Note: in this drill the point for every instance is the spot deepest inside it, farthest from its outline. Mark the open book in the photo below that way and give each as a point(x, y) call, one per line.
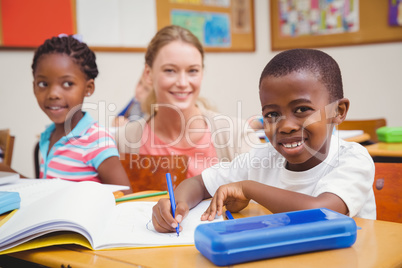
point(89, 209)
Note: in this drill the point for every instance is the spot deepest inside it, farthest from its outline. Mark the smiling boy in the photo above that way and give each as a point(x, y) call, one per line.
point(303, 166)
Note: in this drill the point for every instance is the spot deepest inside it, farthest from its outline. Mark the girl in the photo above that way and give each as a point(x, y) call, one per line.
point(74, 147)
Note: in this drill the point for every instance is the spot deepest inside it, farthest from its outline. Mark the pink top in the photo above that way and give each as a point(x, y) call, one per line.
point(201, 156)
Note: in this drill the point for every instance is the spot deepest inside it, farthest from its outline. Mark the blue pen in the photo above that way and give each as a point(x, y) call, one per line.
point(171, 196)
point(229, 215)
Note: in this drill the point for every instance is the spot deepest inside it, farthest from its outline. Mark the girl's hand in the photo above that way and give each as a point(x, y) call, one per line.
point(230, 195)
point(162, 217)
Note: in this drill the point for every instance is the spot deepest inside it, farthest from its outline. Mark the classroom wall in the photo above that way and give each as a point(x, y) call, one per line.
point(371, 74)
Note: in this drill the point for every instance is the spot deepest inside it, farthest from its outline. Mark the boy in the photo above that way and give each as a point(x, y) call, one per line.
point(303, 166)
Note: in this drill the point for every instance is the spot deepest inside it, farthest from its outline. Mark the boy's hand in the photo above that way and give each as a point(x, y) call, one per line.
point(162, 217)
point(230, 195)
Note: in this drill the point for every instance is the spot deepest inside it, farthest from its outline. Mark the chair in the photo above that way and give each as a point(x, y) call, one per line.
point(37, 160)
point(387, 190)
point(7, 145)
point(368, 126)
point(148, 172)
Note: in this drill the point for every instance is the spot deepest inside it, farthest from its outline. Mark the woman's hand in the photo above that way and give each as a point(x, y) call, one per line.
point(230, 195)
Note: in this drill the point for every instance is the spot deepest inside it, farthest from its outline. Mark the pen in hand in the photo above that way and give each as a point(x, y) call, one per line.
point(172, 200)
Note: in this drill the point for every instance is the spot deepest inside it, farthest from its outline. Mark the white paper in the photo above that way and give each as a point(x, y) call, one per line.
point(31, 190)
point(8, 177)
point(117, 23)
point(132, 226)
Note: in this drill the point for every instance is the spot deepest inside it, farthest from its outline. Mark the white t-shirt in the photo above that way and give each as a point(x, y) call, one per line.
point(348, 172)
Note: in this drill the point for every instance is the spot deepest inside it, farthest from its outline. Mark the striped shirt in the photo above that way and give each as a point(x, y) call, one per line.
point(77, 156)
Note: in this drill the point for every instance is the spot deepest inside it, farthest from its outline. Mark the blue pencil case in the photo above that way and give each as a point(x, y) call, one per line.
point(9, 201)
point(254, 238)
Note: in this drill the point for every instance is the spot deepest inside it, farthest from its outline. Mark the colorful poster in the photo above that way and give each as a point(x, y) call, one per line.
point(318, 17)
point(212, 29)
point(395, 13)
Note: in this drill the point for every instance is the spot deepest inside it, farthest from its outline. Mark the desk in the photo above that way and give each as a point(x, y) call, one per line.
point(385, 149)
point(378, 244)
point(359, 138)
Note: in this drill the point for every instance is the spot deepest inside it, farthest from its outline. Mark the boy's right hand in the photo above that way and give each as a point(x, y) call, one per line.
point(162, 217)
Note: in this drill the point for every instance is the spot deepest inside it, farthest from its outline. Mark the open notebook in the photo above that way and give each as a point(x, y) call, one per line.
point(88, 210)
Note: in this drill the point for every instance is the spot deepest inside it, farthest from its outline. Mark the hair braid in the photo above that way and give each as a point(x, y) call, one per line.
point(73, 48)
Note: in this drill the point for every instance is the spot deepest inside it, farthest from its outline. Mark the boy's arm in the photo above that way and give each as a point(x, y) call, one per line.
point(111, 171)
point(279, 200)
point(235, 196)
point(188, 194)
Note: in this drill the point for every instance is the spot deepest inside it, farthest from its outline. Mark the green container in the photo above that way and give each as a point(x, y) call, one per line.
point(390, 134)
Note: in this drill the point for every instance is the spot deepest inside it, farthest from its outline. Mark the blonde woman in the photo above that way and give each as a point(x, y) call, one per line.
point(180, 122)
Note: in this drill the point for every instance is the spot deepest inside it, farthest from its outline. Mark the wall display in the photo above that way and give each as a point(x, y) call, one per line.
point(127, 25)
point(325, 23)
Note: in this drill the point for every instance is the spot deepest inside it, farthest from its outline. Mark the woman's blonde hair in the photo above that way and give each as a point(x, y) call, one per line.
point(162, 38)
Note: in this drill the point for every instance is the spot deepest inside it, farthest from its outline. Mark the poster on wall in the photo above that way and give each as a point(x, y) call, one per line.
point(318, 17)
point(395, 13)
point(213, 29)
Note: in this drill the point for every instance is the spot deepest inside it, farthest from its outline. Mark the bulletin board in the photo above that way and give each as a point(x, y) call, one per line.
point(120, 25)
point(373, 28)
point(220, 25)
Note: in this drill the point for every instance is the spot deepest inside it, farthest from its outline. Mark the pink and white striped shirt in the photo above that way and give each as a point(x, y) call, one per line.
point(77, 156)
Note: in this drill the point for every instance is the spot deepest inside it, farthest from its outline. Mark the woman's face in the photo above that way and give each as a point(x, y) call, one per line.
point(176, 75)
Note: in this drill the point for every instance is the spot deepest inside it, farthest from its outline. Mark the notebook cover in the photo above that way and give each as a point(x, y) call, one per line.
point(248, 239)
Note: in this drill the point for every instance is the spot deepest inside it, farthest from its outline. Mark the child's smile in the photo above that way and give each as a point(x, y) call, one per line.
point(294, 108)
point(60, 87)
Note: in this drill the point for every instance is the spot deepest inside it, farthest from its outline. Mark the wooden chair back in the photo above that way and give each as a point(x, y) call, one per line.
point(7, 145)
point(37, 160)
point(148, 172)
point(388, 191)
point(368, 126)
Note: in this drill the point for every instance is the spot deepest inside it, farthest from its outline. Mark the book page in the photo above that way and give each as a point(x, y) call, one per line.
point(8, 177)
point(82, 207)
point(132, 227)
point(31, 190)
